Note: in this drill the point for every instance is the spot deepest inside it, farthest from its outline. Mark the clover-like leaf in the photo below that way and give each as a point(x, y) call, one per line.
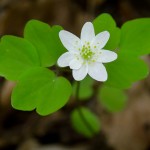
point(46, 40)
point(40, 89)
point(85, 122)
point(129, 68)
point(135, 37)
point(16, 56)
point(126, 70)
point(105, 22)
point(112, 99)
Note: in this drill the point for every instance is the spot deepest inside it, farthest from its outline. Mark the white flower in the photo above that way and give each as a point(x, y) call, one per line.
point(86, 55)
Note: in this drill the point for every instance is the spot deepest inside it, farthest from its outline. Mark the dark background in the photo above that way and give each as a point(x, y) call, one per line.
point(126, 130)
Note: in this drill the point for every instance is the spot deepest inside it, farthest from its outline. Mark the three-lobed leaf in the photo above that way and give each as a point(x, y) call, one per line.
point(134, 42)
point(40, 89)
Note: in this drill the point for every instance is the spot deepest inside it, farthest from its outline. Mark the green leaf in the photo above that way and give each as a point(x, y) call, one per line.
point(105, 22)
point(112, 99)
point(86, 89)
point(82, 125)
point(126, 70)
point(135, 37)
point(40, 89)
point(46, 40)
point(16, 56)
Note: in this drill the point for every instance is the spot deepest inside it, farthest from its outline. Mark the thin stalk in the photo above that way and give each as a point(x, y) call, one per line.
point(89, 127)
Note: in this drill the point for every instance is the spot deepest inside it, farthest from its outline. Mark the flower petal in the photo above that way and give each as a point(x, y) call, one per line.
point(101, 39)
point(87, 33)
point(75, 64)
point(65, 59)
point(80, 74)
point(106, 56)
point(98, 71)
point(70, 41)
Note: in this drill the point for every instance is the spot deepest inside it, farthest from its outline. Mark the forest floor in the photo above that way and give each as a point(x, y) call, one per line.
point(29, 131)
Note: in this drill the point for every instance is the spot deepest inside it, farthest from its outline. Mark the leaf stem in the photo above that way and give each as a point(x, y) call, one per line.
point(89, 127)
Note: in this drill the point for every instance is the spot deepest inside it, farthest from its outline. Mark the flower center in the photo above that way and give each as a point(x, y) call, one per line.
point(86, 52)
